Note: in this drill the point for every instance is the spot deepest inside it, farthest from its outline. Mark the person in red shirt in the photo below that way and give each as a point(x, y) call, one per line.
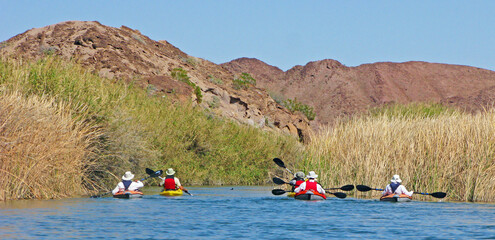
point(170, 182)
point(311, 183)
point(297, 180)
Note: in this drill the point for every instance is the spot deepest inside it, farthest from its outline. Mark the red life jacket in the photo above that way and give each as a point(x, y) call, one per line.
point(298, 183)
point(312, 185)
point(169, 183)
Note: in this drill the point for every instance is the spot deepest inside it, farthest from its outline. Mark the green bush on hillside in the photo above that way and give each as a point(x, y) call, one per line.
point(243, 82)
point(181, 75)
point(296, 106)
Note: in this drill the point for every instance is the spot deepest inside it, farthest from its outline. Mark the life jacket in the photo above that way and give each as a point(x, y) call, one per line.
point(169, 182)
point(394, 186)
point(312, 185)
point(126, 183)
point(299, 181)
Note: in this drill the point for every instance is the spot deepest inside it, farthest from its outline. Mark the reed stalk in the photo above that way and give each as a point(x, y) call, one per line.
point(44, 152)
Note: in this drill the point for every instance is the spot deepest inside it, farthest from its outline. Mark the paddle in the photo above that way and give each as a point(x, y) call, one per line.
point(435, 194)
point(281, 191)
point(343, 188)
point(150, 172)
point(185, 190)
point(280, 163)
point(364, 188)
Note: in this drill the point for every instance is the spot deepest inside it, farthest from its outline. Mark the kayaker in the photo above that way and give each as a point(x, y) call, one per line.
point(128, 184)
point(170, 182)
point(395, 187)
point(311, 183)
point(297, 180)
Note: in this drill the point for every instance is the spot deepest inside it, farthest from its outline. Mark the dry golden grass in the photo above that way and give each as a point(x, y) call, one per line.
point(450, 152)
point(44, 153)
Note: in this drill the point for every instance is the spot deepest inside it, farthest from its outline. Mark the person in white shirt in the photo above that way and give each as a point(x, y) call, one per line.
point(128, 184)
point(311, 183)
point(395, 187)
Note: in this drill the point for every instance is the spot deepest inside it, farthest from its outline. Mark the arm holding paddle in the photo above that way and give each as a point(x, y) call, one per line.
point(364, 188)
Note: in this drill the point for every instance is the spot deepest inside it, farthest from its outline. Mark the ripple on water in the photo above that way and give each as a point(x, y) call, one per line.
point(243, 213)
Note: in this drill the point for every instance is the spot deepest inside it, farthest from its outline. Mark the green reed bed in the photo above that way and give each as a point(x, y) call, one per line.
point(138, 131)
point(435, 149)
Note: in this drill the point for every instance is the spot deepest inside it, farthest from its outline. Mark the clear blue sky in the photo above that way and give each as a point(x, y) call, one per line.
point(288, 33)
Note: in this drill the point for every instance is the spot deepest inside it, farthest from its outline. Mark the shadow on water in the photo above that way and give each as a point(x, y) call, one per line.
point(243, 212)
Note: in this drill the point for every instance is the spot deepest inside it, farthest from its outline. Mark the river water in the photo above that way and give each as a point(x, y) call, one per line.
point(242, 213)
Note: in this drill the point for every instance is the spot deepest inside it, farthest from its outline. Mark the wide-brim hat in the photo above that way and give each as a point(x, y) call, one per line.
point(396, 179)
point(128, 176)
point(312, 174)
point(170, 171)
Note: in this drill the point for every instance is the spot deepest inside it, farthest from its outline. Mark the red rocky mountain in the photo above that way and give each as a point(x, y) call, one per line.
point(334, 89)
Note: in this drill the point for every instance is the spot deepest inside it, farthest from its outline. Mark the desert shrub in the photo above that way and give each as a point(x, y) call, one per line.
point(214, 103)
point(181, 75)
point(277, 97)
point(243, 82)
point(214, 80)
point(296, 106)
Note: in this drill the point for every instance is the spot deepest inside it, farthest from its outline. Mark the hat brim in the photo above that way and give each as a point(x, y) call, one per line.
point(129, 178)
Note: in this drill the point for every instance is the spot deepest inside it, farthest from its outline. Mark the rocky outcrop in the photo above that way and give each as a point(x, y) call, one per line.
point(125, 53)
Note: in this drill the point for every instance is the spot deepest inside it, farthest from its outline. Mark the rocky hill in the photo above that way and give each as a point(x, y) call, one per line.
point(334, 89)
point(124, 53)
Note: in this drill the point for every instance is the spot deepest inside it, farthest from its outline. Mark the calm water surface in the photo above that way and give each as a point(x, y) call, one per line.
point(243, 213)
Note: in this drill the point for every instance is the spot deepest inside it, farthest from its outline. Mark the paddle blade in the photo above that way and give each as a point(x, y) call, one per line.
point(157, 173)
point(278, 191)
point(438, 194)
point(363, 188)
point(279, 162)
point(340, 195)
point(278, 181)
point(149, 171)
point(347, 188)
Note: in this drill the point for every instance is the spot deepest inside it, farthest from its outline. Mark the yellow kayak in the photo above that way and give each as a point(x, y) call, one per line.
point(291, 194)
point(177, 192)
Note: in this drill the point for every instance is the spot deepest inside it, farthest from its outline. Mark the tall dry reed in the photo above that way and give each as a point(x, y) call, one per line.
point(451, 152)
point(44, 152)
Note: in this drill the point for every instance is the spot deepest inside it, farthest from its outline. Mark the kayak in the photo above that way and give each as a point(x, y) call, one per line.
point(177, 192)
point(396, 198)
point(128, 194)
point(291, 194)
point(309, 195)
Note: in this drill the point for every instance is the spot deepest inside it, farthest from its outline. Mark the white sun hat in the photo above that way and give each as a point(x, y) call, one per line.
point(170, 171)
point(312, 174)
point(128, 176)
point(396, 179)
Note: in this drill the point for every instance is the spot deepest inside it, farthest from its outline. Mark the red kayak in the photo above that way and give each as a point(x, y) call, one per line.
point(128, 194)
point(310, 195)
